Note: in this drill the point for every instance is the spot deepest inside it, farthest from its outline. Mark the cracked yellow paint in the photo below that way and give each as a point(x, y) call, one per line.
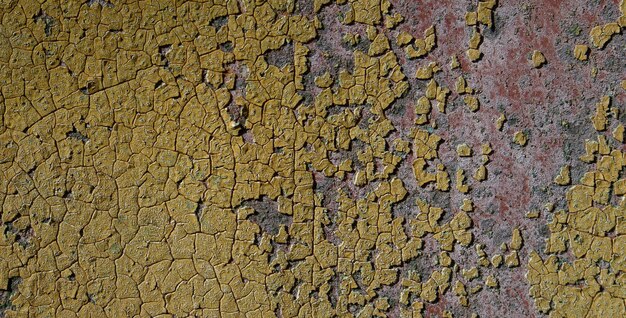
point(471, 18)
point(601, 34)
point(167, 166)
point(467, 205)
point(473, 53)
point(496, 260)
point(590, 229)
point(404, 38)
point(485, 12)
point(352, 39)
point(422, 46)
point(422, 109)
point(426, 72)
point(599, 119)
point(379, 45)
point(461, 85)
point(442, 179)
point(491, 282)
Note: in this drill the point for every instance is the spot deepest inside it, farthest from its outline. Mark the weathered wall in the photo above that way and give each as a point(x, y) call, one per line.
point(230, 158)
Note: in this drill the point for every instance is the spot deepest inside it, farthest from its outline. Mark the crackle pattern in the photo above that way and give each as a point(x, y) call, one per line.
point(318, 158)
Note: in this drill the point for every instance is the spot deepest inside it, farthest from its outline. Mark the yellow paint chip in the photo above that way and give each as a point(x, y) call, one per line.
point(474, 54)
point(512, 259)
point(500, 121)
point(600, 119)
point(471, 18)
point(601, 34)
point(516, 239)
point(481, 173)
point(379, 45)
point(581, 52)
point(538, 59)
point(470, 274)
point(426, 72)
point(618, 133)
point(475, 40)
point(454, 62)
point(460, 181)
point(533, 214)
point(496, 260)
point(404, 38)
point(467, 205)
point(491, 282)
point(563, 178)
point(472, 102)
point(444, 259)
point(463, 150)
point(520, 138)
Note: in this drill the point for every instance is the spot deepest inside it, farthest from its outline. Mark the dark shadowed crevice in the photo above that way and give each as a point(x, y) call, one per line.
point(199, 210)
point(280, 57)
point(75, 134)
point(6, 295)
point(102, 3)
point(47, 20)
point(21, 236)
point(163, 51)
point(219, 22)
point(266, 215)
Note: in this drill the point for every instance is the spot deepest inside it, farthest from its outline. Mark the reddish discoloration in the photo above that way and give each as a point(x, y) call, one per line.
point(534, 100)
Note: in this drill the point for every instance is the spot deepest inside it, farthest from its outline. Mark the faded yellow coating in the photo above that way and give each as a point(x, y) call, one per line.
point(141, 161)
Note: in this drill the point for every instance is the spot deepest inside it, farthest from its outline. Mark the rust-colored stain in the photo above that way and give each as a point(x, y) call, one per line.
point(312, 158)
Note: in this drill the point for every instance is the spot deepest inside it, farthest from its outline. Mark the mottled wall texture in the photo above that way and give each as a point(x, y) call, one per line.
point(312, 158)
